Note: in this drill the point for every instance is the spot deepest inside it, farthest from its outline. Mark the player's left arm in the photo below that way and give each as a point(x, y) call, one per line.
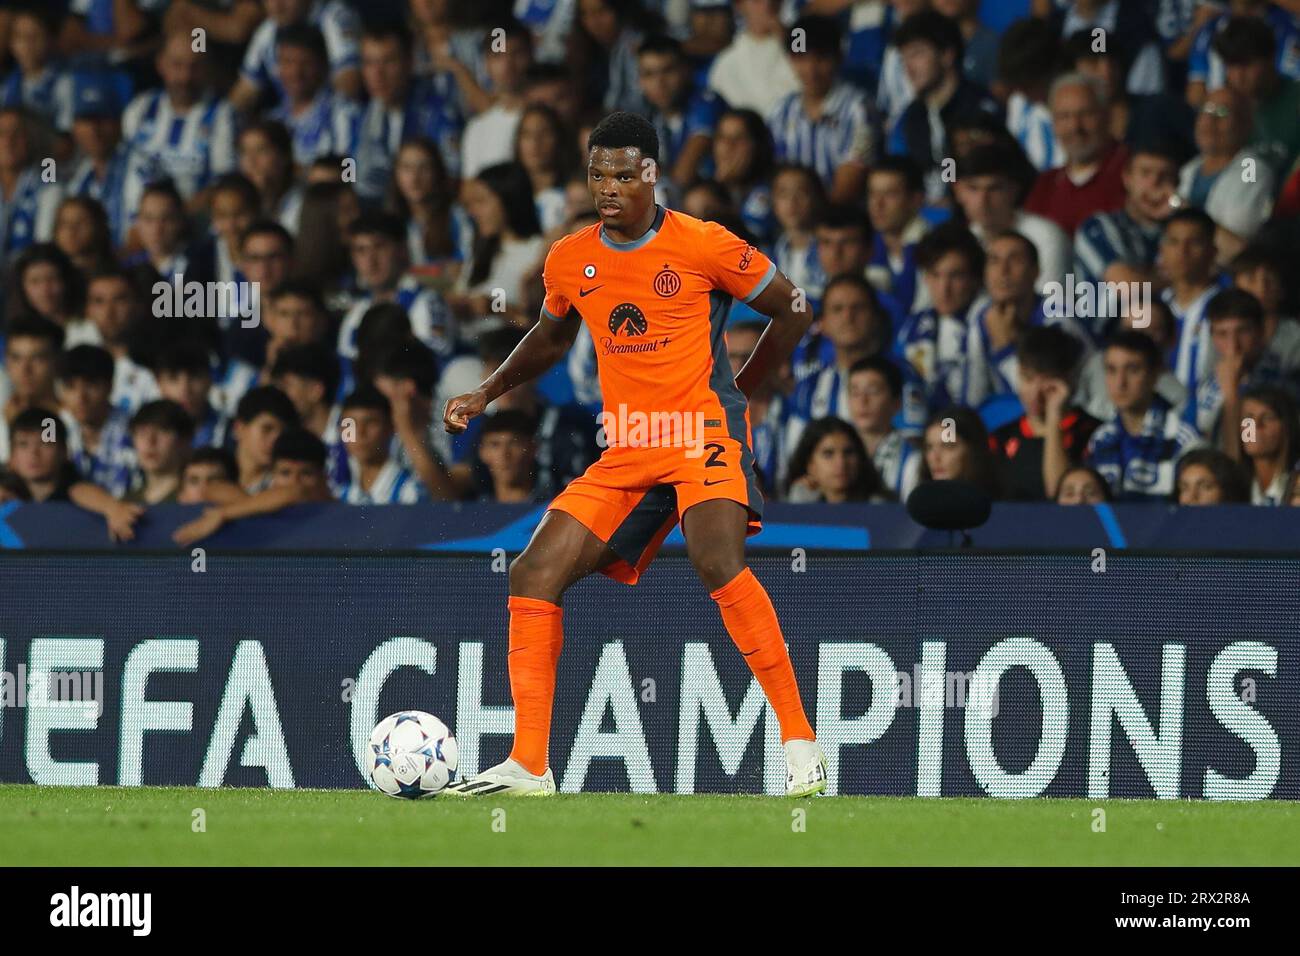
point(791, 315)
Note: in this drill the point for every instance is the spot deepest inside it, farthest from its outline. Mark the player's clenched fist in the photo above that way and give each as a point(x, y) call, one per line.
point(459, 410)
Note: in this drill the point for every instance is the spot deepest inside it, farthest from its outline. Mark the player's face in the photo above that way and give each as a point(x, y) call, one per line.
point(951, 283)
point(301, 72)
point(43, 287)
point(871, 405)
point(1129, 382)
point(1198, 486)
point(1270, 434)
point(622, 185)
point(85, 400)
point(945, 459)
point(109, 307)
point(1080, 488)
point(187, 389)
point(1009, 272)
point(29, 363)
point(834, 465)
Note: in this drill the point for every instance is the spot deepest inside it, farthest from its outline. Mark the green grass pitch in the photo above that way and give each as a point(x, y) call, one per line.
point(117, 826)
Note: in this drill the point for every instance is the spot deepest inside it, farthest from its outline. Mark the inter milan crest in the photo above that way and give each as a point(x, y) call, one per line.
point(628, 320)
point(667, 283)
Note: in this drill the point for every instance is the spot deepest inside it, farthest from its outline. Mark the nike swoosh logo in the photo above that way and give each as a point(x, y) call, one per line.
point(716, 481)
point(583, 293)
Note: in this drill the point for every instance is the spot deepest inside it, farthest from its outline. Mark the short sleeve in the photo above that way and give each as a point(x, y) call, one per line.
point(556, 305)
point(732, 264)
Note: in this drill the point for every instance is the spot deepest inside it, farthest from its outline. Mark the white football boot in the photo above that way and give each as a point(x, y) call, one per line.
point(506, 779)
point(805, 768)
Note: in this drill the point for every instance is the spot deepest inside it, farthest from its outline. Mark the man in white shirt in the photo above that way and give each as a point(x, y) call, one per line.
point(489, 138)
point(754, 71)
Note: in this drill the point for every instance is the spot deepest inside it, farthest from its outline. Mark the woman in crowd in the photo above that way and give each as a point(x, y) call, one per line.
point(81, 231)
point(1081, 485)
point(830, 464)
point(1275, 447)
point(798, 199)
point(743, 160)
point(266, 158)
point(956, 447)
point(1206, 476)
point(46, 284)
point(320, 256)
point(541, 148)
point(421, 193)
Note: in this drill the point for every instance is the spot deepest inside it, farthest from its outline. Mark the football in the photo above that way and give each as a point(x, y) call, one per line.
point(412, 754)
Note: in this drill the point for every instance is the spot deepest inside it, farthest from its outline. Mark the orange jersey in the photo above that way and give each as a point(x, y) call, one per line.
point(656, 308)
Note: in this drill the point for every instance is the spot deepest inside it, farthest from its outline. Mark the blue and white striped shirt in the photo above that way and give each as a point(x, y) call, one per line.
point(28, 215)
point(1110, 237)
point(394, 485)
point(1031, 124)
point(429, 111)
point(190, 148)
point(431, 321)
point(986, 371)
point(328, 125)
point(841, 135)
point(1142, 466)
point(338, 24)
point(118, 192)
point(111, 463)
point(49, 94)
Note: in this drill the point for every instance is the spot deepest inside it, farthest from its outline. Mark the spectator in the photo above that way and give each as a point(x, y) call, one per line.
point(29, 202)
point(980, 44)
point(1262, 272)
point(875, 402)
point(108, 170)
point(1082, 485)
point(1231, 182)
point(1158, 323)
point(895, 195)
point(495, 283)
point(47, 285)
point(798, 200)
point(830, 465)
point(754, 71)
point(1186, 262)
point(1131, 233)
point(262, 70)
point(206, 468)
point(321, 255)
point(181, 132)
point(956, 448)
point(162, 227)
point(1128, 28)
point(266, 158)
point(266, 255)
point(685, 115)
point(184, 373)
point(31, 357)
point(162, 434)
point(309, 376)
point(38, 82)
point(374, 476)
point(1268, 442)
point(39, 455)
point(825, 125)
point(507, 452)
point(931, 46)
point(541, 149)
point(990, 197)
point(1038, 449)
point(843, 237)
point(378, 246)
point(1091, 178)
point(603, 45)
point(113, 322)
point(263, 414)
point(235, 204)
point(82, 233)
point(406, 374)
point(99, 435)
point(1138, 450)
point(1241, 361)
point(767, 412)
point(1008, 310)
point(320, 121)
point(490, 135)
point(743, 160)
point(1029, 58)
point(421, 194)
point(1205, 67)
point(1206, 476)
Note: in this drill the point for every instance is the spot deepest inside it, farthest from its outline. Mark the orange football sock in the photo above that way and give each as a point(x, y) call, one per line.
point(536, 636)
point(751, 621)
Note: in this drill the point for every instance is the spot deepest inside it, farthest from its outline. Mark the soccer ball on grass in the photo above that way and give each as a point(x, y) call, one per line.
point(412, 754)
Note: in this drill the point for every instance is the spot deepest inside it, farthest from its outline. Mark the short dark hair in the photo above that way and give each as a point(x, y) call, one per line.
point(89, 363)
point(304, 36)
point(167, 415)
point(266, 227)
point(241, 184)
point(37, 327)
point(497, 344)
point(165, 188)
point(990, 159)
point(904, 166)
point(301, 289)
point(33, 420)
point(1159, 148)
point(221, 457)
point(1235, 303)
point(410, 360)
point(1029, 53)
point(883, 367)
point(1260, 256)
point(368, 397)
point(383, 324)
point(1031, 250)
point(661, 44)
point(1198, 217)
point(1130, 340)
point(1244, 40)
point(622, 129)
point(315, 362)
point(1050, 350)
point(822, 36)
point(298, 444)
point(947, 238)
point(378, 222)
point(387, 28)
point(269, 400)
point(511, 420)
point(929, 26)
point(845, 216)
point(184, 355)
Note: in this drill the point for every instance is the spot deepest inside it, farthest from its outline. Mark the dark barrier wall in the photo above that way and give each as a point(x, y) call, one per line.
point(938, 674)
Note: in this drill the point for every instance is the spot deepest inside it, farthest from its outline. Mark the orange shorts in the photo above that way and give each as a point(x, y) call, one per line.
point(631, 498)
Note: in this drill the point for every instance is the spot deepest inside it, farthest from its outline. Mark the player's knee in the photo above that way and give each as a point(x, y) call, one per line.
point(717, 570)
point(530, 577)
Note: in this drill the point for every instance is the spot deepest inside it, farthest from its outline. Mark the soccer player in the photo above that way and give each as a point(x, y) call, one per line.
point(652, 285)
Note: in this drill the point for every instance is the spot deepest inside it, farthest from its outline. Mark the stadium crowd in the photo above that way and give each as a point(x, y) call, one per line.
point(252, 246)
